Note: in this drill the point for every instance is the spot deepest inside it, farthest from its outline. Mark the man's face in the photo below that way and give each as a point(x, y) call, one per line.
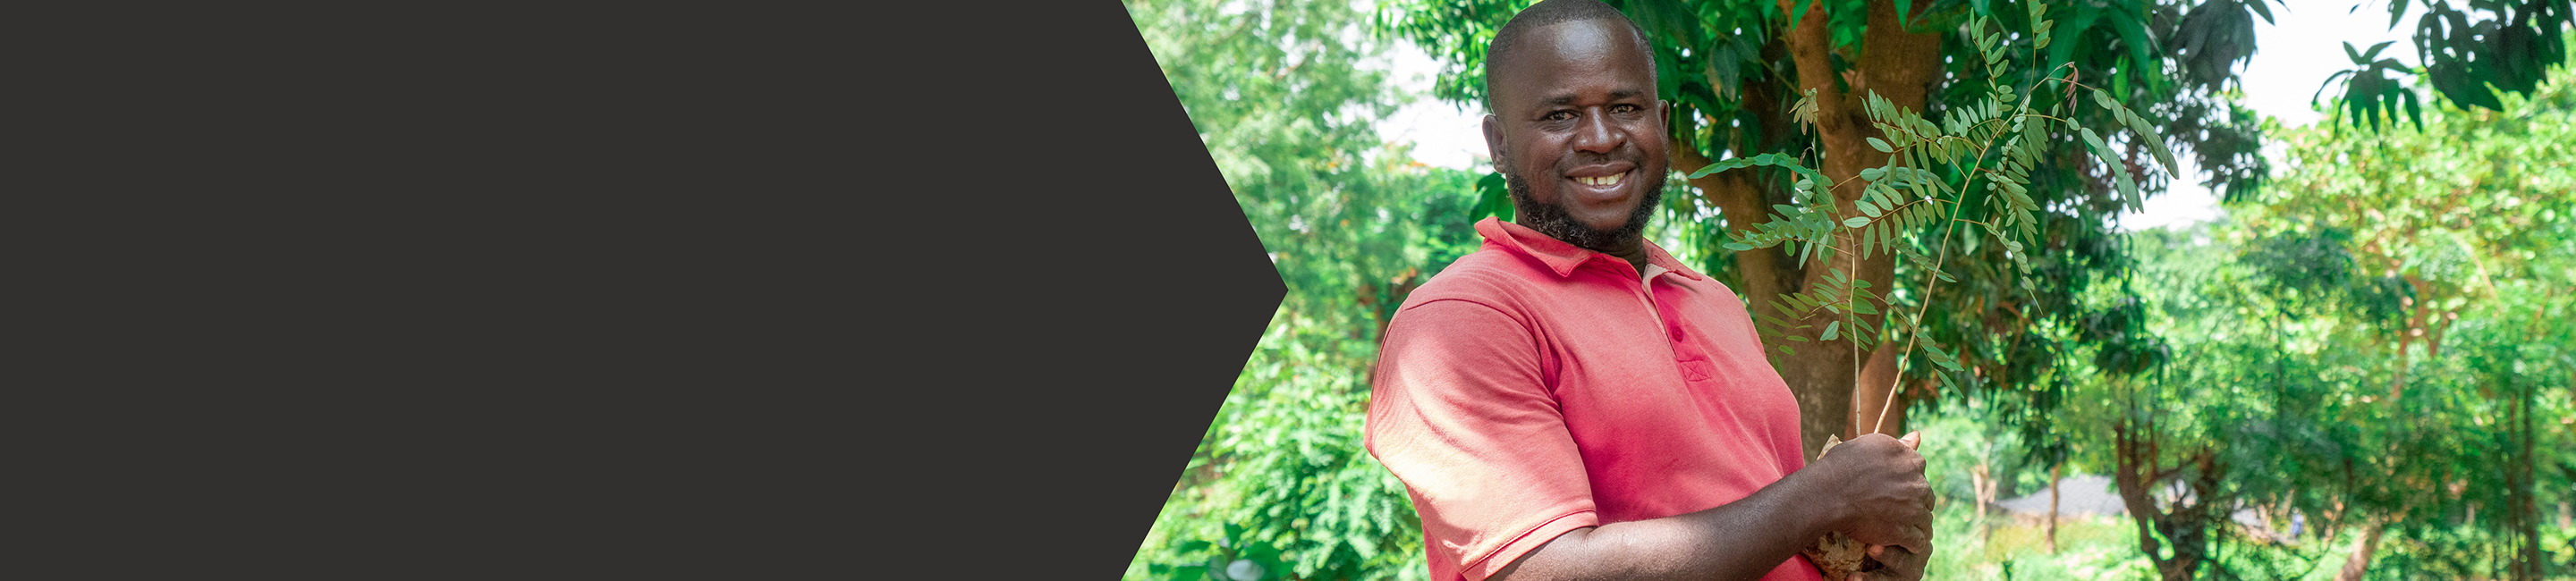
point(1578, 133)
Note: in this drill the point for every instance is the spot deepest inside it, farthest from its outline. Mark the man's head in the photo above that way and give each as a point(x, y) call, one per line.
point(1576, 129)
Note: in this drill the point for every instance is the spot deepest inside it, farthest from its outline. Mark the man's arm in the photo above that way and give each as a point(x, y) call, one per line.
point(1871, 488)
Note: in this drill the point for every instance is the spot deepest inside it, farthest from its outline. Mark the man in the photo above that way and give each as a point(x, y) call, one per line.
point(1569, 402)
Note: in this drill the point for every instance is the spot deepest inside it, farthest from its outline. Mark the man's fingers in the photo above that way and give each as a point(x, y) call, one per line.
point(1912, 440)
point(1900, 565)
point(1917, 541)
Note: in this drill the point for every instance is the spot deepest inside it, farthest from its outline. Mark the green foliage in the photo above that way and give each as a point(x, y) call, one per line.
point(2457, 237)
point(2370, 343)
point(2471, 57)
point(1493, 199)
point(1908, 206)
point(1285, 94)
point(2369, 91)
point(1281, 479)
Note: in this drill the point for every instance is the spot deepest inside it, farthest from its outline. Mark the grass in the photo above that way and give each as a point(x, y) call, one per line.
point(2001, 547)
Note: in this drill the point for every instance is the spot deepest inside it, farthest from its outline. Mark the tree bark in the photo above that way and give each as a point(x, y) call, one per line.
point(2526, 501)
point(1981, 478)
point(2054, 476)
point(2137, 472)
point(1900, 66)
point(2360, 561)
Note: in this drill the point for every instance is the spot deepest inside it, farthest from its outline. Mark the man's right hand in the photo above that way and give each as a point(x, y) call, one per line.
point(1884, 498)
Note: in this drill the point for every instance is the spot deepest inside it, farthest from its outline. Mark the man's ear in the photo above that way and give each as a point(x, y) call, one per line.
point(1494, 142)
point(1667, 117)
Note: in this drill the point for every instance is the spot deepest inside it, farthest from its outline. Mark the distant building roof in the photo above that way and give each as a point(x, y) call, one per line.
point(2079, 495)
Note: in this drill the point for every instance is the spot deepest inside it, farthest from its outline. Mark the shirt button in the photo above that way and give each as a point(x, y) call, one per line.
point(1677, 333)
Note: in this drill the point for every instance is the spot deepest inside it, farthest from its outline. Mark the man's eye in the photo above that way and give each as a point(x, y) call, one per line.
point(1623, 108)
point(1559, 115)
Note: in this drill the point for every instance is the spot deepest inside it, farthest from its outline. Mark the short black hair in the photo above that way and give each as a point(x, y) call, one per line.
point(1553, 12)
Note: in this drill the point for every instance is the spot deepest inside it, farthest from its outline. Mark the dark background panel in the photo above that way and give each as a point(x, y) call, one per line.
point(615, 291)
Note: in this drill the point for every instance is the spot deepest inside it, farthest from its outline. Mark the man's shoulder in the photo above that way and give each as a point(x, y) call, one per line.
point(1490, 275)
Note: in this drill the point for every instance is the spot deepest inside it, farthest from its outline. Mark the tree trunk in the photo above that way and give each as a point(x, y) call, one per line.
point(2137, 472)
point(2360, 561)
point(1981, 478)
point(1900, 66)
point(2053, 478)
point(2526, 502)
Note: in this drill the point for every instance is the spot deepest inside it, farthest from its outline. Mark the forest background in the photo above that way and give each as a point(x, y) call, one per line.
point(2360, 370)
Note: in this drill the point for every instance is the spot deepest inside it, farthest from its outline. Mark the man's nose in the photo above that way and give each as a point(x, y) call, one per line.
point(1595, 135)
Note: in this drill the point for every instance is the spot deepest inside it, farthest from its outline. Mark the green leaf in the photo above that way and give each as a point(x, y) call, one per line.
point(1722, 69)
point(2086, 13)
point(1881, 145)
point(2369, 54)
point(1855, 222)
point(1829, 331)
point(1785, 162)
point(2119, 169)
point(1492, 199)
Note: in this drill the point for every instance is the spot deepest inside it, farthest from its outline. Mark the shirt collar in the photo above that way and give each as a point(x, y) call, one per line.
point(1561, 257)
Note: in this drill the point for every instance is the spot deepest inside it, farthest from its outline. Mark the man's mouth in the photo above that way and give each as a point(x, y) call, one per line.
point(1608, 180)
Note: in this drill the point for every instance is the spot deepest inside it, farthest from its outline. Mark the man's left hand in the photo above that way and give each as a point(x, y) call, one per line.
point(1895, 564)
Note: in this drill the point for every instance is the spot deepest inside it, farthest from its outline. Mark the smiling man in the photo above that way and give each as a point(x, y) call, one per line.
point(1569, 402)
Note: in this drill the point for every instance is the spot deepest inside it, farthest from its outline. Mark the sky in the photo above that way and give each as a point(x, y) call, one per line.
point(2293, 56)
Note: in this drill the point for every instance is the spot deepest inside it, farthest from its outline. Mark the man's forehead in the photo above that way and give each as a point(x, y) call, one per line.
point(1598, 38)
point(1554, 58)
point(1569, 97)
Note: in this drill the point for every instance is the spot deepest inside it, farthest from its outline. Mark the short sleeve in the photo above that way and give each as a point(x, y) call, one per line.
point(1459, 410)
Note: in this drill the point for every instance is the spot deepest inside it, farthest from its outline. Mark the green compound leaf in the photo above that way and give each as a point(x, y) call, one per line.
point(2119, 169)
point(1810, 176)
point(2146, 131)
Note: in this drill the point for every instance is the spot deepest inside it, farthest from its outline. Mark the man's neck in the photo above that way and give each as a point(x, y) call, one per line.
point(1632, 250)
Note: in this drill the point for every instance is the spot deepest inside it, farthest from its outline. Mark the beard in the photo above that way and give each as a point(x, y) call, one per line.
point(1552, 220)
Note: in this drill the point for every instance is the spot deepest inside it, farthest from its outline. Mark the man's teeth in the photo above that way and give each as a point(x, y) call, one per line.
point(1608, 180)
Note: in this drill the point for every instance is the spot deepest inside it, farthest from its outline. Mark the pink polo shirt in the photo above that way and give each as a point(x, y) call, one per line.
point(1533, 388)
